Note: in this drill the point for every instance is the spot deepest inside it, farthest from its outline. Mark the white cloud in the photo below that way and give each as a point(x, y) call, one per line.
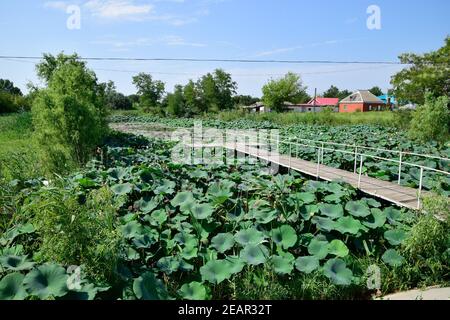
point(178, 41)
point(170, 40)
point(58, 5)
point(118, 9)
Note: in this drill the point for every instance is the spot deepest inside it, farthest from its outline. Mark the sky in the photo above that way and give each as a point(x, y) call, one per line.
point(223, 29)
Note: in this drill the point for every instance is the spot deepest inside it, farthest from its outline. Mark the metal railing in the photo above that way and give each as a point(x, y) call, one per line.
point(320, 146)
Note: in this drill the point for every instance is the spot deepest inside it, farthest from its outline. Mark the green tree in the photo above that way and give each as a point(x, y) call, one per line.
point(115, 100)
point(225, 89)
point(176, 102)
point(334, 92)
point(50, 64)
point(69, 115)
point(8, 87)
point(244, 100)
point(427, 73)
point(376, 91)
point(287, 89)
point(192, 98)
point(209, 94)
point(150, 92)
point(431, 121)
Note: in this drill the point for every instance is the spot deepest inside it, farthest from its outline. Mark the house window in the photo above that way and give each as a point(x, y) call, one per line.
point(345, 107)
point(370, 108)
point(309, 109)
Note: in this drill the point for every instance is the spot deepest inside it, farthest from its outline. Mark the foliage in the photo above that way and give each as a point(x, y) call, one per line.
point(427, 73)
point(287, 89)
point(431, 121)
point(8, 87)
point(69, 116)
point(376, 91)
point(150, 92)
point(115, 100)
point(176, 105)
point(334, 92)
point(244, 100)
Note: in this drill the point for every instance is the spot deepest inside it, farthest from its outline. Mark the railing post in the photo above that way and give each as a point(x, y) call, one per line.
point(360, 171)
point(192, 147)
point(322, 151)
point(290, 155)
point(318, 163)
point(420, 188)
point(356, 158)
point(400, 168)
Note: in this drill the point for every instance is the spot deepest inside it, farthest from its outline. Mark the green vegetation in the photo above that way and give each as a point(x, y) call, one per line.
point(142, 227)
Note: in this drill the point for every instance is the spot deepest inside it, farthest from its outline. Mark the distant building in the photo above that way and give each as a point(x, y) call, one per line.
point(257, 107)
point(315, 105)
point(363, 101)
point(388, 99)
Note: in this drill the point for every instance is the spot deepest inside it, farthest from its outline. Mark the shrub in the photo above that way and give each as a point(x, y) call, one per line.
point(69, 117)
point(431, 121)
point(76, 233)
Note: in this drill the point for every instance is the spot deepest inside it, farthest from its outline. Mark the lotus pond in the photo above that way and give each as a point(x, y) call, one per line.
point(142, 227)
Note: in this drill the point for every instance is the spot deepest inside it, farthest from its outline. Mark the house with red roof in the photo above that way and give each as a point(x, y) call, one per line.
point(315, 105)
point(361, 101)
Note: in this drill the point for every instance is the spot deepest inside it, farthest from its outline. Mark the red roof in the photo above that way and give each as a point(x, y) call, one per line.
point(325, 102)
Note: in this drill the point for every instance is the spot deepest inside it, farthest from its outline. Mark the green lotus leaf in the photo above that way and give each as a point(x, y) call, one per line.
point(337, 271)
point(338, 248)
point(167, 187)
point(132, 229)
point(358, 208)
point(323, 224)
point(186, 239)
point(318, 248)
point(16, 263)
point(372, 202)
point(147, 205)
point(123, 188)
point(249, 236)
point(348, 225)
point(393, 258)
point(220, 192)
point(332, 211)
point(117, 173)
point(189, 253)
point(305, 197)
point(307, 264)
point(334, 197)
point(284, 236)
point(202, 211)
point(184, 200)
point(282, 264)
point(308, 211)
point(235, 264)
point(148, 287)
point(143, 241)
point(48, 280)
point(393, 214)
point(168, 265)
point(222, 242)
point(215, 271)
point(193, 291)
point(158, 217)
point(198, 174)
point(254, 254)
point(395, 237)
point(265, 216)
point(130, 254)
point(87, 183)
point(185, 266)
point(11, 287)
point(377, 220)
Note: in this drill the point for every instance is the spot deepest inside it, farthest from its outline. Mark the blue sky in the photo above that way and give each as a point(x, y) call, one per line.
point(229, 29)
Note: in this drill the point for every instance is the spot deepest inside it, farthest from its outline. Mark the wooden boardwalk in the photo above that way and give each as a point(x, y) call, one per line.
point(389, 191)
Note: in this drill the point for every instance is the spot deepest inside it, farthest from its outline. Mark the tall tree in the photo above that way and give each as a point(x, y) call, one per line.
point(192, 98)
point(427, 73)
point(287, 89)
point(244, 100)
point(115, 100)
point(225, 89)
point(376, 91)
point(150, 92)
point(176, 102)
point(51, 63)
point(334, 92)
point(8, 87)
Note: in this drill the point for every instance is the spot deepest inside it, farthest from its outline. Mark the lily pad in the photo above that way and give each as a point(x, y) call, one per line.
point(323, 224)
point(122, 189)
point(254, 254)
point(284, 236)
point(348, 225)
point(249, 236)
point(308, 211)
point(202, 211)
point(338, 248)
point(193, 291)
point(337, 271)
point(393, 258)
point(332, 211)
point(48, 280)
point(377, 220)
point(148, 287)
point(215, 271)
point(358, 208)
point(282, 264)
point(16, 263)
point(307, 264)
point(11, 287)
point(223, 242)
point(395, 237)
point(318, 248)
point(184, 200)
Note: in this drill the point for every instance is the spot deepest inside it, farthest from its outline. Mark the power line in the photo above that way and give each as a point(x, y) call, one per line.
point(218, 60)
